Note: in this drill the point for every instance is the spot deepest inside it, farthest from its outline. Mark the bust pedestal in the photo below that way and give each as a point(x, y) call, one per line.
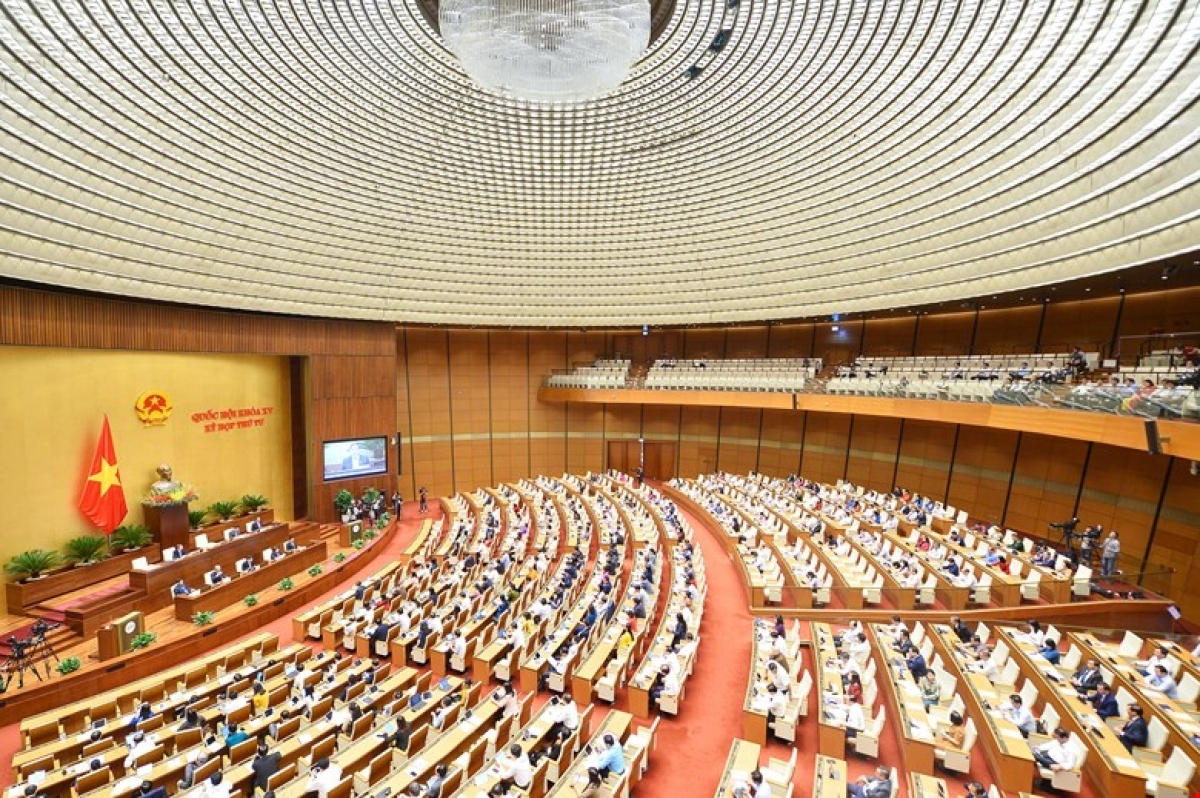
point(168, 523)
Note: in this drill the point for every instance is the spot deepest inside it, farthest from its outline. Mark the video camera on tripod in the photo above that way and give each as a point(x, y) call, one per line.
point(1067, 527)
point(24, 655)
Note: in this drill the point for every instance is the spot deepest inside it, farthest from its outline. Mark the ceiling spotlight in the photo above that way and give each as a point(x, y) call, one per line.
point(836, 328)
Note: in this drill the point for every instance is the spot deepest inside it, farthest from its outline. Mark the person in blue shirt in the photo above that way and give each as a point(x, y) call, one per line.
point(1161, 681)
point(1049, 651)
point(612, 759)
point(234, 735)
point(1104, 702)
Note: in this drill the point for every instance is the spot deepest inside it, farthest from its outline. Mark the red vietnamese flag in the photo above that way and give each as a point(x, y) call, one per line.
point(103, 499)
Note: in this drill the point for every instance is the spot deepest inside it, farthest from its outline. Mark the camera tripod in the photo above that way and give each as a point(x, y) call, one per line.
point(26, 655)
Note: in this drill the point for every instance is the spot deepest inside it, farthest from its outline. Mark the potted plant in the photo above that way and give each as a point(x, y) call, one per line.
point(142, 640)
point(314, 571)
point(87, 549)
point(223, 510)
point(250, 600)
point(204, 617)
point(252, 503)
point(286, 583)
point(342, 502)
point(358, 544)
point(370, 495)
point(131, 537)
point(196, 518)
point(68, 665)
point(339, 557)
point(32, 564)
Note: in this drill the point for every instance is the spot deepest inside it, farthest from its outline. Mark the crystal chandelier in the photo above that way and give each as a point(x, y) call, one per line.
point(547, 50)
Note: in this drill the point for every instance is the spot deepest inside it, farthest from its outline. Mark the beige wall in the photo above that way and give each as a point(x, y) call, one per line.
point(53, 405)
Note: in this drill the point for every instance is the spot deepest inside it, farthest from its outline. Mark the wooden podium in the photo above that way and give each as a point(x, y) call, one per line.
point(116, 638)
point(168, 523)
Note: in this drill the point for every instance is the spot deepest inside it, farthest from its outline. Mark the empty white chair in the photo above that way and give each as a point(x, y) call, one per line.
point(140, 564)
point(1029, 588)
point(866, 742)
point(1170, 780)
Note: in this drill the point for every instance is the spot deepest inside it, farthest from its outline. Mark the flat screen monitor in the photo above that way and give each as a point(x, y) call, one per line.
point(355, 457)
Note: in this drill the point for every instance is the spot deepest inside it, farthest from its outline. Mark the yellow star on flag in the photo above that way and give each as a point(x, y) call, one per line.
point(107, 476)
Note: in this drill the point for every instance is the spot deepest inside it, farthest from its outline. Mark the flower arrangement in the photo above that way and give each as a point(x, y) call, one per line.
point(339, 557)
point(358, 544)
point(286, 584)
point(181, 495)
point(204, 617)
point(314, 571)
point(68, 665)
point(250, 600)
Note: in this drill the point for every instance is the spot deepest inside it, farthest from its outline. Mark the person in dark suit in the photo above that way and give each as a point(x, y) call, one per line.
point(1087, 678)
point(380, 632)
point(264, 766)
point(216, 576)
point(961, 629)
point(148, 790)
point(1104, 702)
point(916, 665)
point(1135, 732)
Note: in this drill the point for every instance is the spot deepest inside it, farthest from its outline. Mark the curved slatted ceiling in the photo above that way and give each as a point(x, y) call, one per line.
point(328, 157)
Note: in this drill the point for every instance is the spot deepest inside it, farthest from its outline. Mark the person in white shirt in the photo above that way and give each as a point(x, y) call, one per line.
point(1019, 714)
point(515, 768)
point(458, 649)
point(779, 677)
point(215, 787)
point(323, 777)
point(140, 743)
point(1057, 754)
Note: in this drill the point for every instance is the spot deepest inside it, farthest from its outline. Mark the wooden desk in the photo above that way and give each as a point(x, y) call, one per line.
point(1007, 752)
point(922, 786)
point(904, 700)
point(1109, 766)
point(228, 593)
point(531, 738)
point(829, 777)
point(743, 758)
point(158, 579)
point(831, 738)
point(448, 745)
point(616, 723)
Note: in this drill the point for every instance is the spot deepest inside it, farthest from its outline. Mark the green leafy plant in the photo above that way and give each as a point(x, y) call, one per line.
point(196, 518)
point(343, 501)
point(250, 600)
point(131, 537)
point(339, 557)
point(142, 640)
point(204, 617)
point(223, 510)
point(252, 502)
point(286, 584)
point(369, 534)
point(33, 563)
point(358, 544)
point(381, 524)
point(314, 571)
point(370, 495)
point(68, 665)
point(86, 549)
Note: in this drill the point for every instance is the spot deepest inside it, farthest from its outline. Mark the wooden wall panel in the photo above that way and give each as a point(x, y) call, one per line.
point(1175, 538)
point(782, 435)
point(585, 438)
point(838, 346)
point(406, 482)
point(889, 337)
point(623, 422)
point(430, 409)
point(874, 443)
point(945, 333)
point(739, 439)
point(547, 421)
point(1175, 312)
point(792, 340)
point(926, 449)
point(1088, 325)
point(708, 342)
point(1121, 491)
point(744, 342)
point(980, 474)
point(698, 440)
point(1003, 332)
point(1045, 483)
point(826, 442)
